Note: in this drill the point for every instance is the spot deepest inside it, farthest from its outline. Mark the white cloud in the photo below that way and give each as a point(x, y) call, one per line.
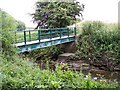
point(103, 10)
point(19, 9)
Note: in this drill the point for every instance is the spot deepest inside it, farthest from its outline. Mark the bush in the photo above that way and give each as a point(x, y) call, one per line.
point(7, 25)
point(100, 42)
point(23, 74)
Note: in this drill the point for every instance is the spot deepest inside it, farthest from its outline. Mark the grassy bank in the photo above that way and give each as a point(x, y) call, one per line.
point(100, 42)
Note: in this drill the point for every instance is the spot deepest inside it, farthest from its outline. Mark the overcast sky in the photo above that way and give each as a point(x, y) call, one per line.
point(102, 10)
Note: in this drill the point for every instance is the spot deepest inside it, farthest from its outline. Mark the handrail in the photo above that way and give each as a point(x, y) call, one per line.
point(41, 29)
point(30, 35)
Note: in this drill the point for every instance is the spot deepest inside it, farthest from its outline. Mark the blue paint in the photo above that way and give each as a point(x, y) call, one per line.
point(46, 34)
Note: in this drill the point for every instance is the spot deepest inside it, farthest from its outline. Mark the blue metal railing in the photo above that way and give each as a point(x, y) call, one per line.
point(32, 35)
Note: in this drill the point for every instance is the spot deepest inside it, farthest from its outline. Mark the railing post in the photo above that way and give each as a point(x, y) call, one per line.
point(24, 36)
point(29, 36)
point(60, 34)
point(68, 32)
point(75, 31)
point(39, 34)
point(50, 34)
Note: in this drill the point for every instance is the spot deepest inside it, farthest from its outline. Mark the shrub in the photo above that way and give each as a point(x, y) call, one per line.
point(7, 25)
point(99, 42)
point(23, 74)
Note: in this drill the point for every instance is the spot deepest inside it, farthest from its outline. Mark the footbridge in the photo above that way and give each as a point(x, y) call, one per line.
point(26, 40)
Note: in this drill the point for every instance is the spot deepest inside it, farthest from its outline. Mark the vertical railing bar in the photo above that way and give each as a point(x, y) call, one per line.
point(29, 35)
point(60, 35)
point(24, 36)
point(39, 35)
point(51, 35)
point(68, 32)
point(75, 31)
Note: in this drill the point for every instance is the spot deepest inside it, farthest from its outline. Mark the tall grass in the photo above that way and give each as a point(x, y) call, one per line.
point(99, 42)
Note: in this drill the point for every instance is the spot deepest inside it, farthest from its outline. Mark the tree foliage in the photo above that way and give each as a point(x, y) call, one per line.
point(8, 25)
point(57, 14)
point(7, 21)
point(20, 25)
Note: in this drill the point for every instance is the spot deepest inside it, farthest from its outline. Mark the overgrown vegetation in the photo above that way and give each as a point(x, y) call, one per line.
point(6, 38)
point(16, 73)
point(23, 74)
point(20, 25)
point(100, 43)
point(8, 25)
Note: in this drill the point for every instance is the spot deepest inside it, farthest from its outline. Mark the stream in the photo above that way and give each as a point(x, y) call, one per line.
point(80, 65)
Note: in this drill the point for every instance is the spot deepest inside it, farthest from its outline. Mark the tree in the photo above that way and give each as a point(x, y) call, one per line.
point(8, 25)
point(7, 21)
point(20, 25)
point(57, 14)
